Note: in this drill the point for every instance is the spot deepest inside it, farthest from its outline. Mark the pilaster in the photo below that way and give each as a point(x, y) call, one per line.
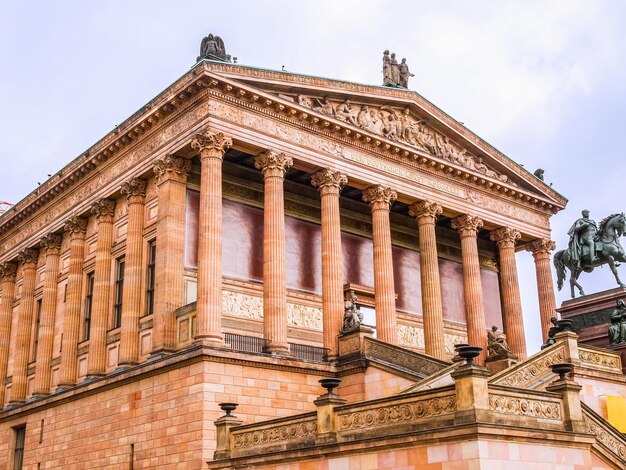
point(380, 199)
point(8, 272)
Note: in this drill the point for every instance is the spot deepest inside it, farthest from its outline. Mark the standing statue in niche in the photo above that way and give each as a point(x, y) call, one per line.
point(617, 330)
point(352, 317)
point(496, 344)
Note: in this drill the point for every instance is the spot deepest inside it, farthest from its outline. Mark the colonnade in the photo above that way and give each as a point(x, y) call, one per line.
point(171, 179)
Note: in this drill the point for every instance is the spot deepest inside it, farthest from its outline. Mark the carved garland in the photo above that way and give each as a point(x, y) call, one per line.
point(402, 358)
point(527, 407)
point(604, 437)
point(532, 371)
point(276, 435)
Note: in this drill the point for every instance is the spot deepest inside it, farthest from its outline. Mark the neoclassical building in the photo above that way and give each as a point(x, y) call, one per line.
point(203, 252)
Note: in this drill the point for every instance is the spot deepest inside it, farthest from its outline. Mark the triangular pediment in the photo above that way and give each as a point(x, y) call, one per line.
point(397, 116)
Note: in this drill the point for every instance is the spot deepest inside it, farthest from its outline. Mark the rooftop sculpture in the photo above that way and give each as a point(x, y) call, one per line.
point(394, 74)
point(212, 48)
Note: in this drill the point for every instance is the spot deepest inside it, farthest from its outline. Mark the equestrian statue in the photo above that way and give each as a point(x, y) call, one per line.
point(591, 245)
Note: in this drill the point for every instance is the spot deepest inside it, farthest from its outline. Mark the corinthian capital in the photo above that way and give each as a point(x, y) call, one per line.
point(211, 144)
point(505, 237)
point(28, 257)
point(76, 226)
point(8, 271)
point(135, 190)
point(104, 209)
point(379, 197)
point(425, 211)
point(541, 247)
point(273, 163)
point(172, 168)
point(329, 181)
point(467, 225)
point(51, 243)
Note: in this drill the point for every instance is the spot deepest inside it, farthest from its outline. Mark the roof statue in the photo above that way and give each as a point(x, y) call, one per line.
point(591, 246)
point(212, 48)
point(539, 173)
point(394, 74)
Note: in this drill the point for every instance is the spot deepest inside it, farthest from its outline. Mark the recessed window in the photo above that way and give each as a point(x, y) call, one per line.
point(18, 452)
point(151, 277)
point(119, 292)
point(88, 306)
point(36, 332)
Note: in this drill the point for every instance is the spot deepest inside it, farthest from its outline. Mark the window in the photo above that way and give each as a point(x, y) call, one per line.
point(18, 453)
point(88, 306)
point(151, 273)
point(119, 291)
point(36, 332)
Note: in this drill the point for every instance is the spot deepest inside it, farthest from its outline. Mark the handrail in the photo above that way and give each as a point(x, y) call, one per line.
point(608, 439)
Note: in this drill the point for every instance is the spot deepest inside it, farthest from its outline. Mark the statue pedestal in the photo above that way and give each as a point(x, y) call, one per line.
point(591, 315)
point(351, 343)
point(498, 363)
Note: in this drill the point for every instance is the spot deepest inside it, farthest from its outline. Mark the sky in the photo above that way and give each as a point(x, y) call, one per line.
point(543, 81)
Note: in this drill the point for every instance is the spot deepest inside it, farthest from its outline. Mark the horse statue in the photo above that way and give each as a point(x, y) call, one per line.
point(608, 250)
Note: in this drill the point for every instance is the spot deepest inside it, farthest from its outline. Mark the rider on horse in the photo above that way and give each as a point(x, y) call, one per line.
point(582, 233)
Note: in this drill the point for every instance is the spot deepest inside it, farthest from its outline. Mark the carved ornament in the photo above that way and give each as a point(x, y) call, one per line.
point(273, 164)
point(104, 209)
point(8, 271)
point(527, 407)
point(273, 435)
point(329, 181)
point(418, 363)
point(75, 226)
point(172, 168)
point(541, 247)
point(51, 243)
point(505, 237)
point(211, 144)
point(425, 212)
point(28, 257)
point(379, 197)
point(135, 190)
point(594, 359)
point(531, 371)
point(605, 436)
point(467, 225)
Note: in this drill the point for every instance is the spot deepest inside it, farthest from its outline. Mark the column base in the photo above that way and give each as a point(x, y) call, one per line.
point(278, 349)
point(160, 353)
point(40, 394)
point(212, 342)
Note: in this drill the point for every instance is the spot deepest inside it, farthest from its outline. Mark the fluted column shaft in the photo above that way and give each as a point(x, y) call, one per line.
point(467, 227)
point(28, 259)
point(68, 372)
point(7, 279)
point(274, 165)
point(135, 190)
point(211, 147)
point(545, 288)
point(380, 199)
point(511, 301)
point(171, 175)
point(330, 183)
point(52, 246)
point(426, 214)
point(96, 365)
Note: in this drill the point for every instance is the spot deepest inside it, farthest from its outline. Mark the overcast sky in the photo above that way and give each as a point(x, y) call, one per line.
point(543, 81)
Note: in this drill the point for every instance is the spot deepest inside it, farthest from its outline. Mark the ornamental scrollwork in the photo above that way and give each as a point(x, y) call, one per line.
point(398, 413)
point(275, 435)
point(596, 358)
point(527, 407)
point(604, 437)
point(409, 360)
point(532, 370)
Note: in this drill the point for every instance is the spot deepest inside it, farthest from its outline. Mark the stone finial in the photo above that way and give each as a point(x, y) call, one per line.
point(51, 243)
point(211, 144)
point(329, 181)
point(75, 225)
point(380, 197)
point(135, 189)
point(171, 167)
point(541, 246)
point(425, 210)
point(505, 237)
point(467, 225)
point(28, 256)
point(273, 163)
point(104, 209)
point(8, 271)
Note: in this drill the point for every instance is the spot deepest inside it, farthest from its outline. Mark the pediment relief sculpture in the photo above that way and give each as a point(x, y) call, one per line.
point(400, 125)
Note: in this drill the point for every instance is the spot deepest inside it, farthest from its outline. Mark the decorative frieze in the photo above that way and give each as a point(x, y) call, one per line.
point(593, 359)
point(526, 407)
point(278, 434)
point(418, 363)
point(531, 371)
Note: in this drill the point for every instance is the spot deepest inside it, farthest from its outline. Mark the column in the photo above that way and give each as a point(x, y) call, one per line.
point(28, 259)
point(75, 227)
point(104, 209)
point(171, 173)
point(52, 246)
point(541, 249)
point(505, 238)
point(330, 183)
point(135, 191)
point(211, 147)
point(468, 227)
point(426, 213)
point(380, 199)
point(274, 166)
point(7, 280)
